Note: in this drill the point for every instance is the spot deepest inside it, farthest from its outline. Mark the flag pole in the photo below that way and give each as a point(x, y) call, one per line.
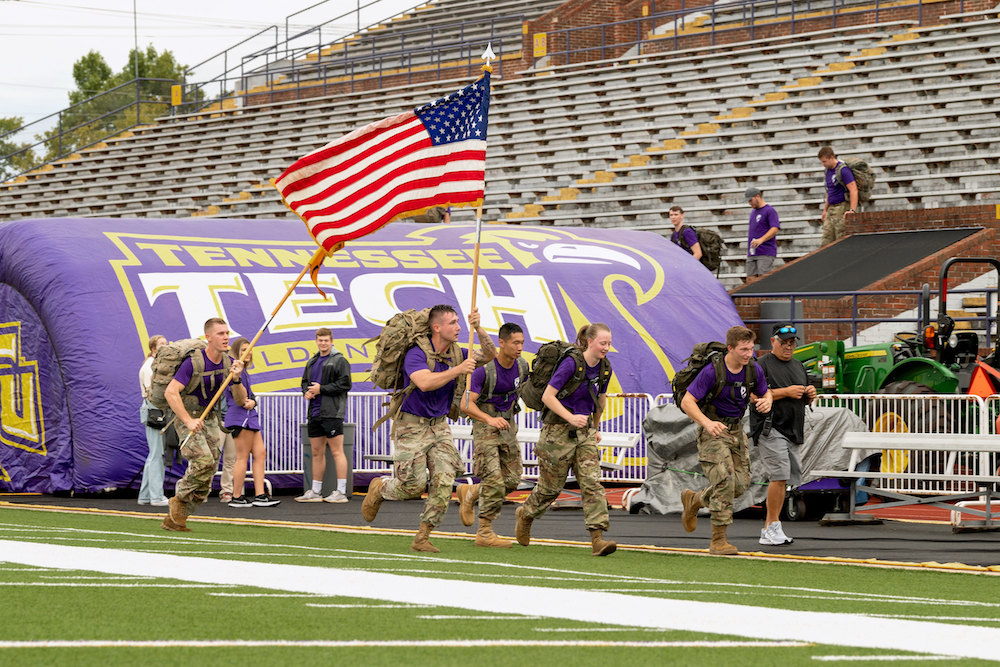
point(488, 56)
point(313, 265)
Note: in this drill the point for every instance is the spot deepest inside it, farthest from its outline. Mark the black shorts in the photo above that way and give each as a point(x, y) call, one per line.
point(329, 428)
point(235, 430)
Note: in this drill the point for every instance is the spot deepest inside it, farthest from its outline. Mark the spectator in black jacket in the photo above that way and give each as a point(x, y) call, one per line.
point(325, 383)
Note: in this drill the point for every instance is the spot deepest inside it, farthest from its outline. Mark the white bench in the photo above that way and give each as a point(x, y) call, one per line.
point(960, 449)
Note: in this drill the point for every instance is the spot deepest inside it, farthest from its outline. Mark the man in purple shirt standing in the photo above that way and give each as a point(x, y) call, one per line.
point(840, 186)
point(683, 235)
point(717, 406)
point(762, 248)
point(494, 390)
point(188, 394)
point(420, 432)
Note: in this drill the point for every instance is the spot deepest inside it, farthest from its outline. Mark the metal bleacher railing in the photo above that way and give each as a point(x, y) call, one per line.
point(744, 15)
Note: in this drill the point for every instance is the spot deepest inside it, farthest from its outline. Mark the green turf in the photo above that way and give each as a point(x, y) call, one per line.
point(158, 609)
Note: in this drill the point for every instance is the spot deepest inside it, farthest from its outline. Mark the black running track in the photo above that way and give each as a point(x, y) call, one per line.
point(856, 262)
point(891, 541)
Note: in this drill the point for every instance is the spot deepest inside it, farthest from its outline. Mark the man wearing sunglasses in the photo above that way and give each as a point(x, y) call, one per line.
point(780, 437)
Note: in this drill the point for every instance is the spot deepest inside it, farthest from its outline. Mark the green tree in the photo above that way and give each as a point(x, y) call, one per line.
point(25, 158)
point(100, 108)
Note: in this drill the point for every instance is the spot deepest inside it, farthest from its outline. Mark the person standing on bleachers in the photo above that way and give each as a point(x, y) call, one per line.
point(840, 187)
point(151, 488)
point(762, 247)
point(326, 380)
point(684, 236)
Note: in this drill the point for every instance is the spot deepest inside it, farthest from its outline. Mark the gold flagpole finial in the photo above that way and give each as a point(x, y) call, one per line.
point(488, 56)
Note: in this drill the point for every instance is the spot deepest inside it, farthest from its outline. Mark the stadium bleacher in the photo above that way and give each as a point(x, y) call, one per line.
point(607, 143)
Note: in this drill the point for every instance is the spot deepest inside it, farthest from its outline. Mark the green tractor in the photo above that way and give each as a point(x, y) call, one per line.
point(934, 360)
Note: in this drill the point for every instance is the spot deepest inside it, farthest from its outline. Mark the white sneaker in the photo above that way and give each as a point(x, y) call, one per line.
point(309, 496)
point(337, 497)
point(774, 536)
point(161, 502)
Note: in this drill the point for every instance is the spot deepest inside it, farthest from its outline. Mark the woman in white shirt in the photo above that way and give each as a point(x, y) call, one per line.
point(151, 489)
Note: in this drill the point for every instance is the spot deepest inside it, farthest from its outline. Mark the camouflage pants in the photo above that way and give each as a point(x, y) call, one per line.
point(423, 449)
point(557, 454)
point(496, 460)
point(834, 226)
point(202, 452)
point(725, 460)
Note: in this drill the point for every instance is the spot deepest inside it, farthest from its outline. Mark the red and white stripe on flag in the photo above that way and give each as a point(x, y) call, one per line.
point(394, 168)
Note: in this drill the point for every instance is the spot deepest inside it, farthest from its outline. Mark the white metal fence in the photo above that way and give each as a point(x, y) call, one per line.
point(282, 413)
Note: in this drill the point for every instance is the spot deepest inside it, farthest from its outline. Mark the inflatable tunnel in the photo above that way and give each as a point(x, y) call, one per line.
point(80, 297)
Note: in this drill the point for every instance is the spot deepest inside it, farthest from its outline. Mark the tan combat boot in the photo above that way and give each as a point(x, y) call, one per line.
point(468, 494)
point(692, 503)
point(373, 499)
point(176, 518)
point(601, 546)
point(422, 540)
point(522, 528)
point(720, 545)
point(485, 537)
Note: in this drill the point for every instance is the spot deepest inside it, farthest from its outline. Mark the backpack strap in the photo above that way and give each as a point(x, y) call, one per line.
point(489, 384)
point(836, 174)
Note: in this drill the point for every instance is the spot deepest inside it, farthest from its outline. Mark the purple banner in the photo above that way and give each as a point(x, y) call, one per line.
point(79, 299)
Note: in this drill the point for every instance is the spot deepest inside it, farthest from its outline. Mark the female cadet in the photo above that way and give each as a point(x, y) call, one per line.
point(244, 422)
point(569, 437)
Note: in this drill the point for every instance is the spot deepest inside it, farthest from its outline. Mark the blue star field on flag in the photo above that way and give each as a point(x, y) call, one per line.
point(459, 116)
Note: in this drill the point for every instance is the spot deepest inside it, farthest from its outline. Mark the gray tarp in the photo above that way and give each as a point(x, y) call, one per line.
point(673, 456)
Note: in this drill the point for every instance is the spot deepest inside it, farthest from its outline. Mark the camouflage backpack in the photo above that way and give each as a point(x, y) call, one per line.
point(702, 355)
point(547, 359)
point(863, 176)
point(711, 248)
point(169, 358)
point(490, 384)
point(402, 332)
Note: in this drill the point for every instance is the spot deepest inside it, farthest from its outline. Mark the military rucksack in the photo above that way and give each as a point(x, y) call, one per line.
point(711, 247)
point(547, 359)
point(490, 384)
point(863, 176)
point(702, 355)
point(169, 358)
point(404, 331)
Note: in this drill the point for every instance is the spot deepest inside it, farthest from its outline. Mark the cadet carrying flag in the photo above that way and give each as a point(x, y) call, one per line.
point(394, 168)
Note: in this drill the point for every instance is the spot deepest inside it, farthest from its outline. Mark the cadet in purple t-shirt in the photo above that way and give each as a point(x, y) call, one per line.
point(421, 435)
point(722, 444)
point(569, 439)
point(492, 402)
point(762, 248)
point(837, 210)
point(684, 236)
point(202, 438)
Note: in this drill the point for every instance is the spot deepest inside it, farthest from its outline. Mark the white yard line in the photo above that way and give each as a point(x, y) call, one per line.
point(760, 623)
point(430, 643)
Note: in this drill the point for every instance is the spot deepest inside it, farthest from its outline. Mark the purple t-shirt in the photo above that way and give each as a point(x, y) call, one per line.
point(690, 237)
point(579, 402)
point(428, 404)
point(237, 415)
point(507, 381)
point(835, 192)
point(209, 383)
point(761, 220)
point(316, 375)
point(726, 404)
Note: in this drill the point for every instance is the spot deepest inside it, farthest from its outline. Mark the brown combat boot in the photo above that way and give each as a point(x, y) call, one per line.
point(522, 528)
point(692, 503)
point(421, 542)
point(468, 494)
point(373, 499)
point(720, 546)
point(485, 537)
point(168, 524)
point(601, 546)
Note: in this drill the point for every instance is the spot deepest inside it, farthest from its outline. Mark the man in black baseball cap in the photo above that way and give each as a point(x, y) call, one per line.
point(780, 439)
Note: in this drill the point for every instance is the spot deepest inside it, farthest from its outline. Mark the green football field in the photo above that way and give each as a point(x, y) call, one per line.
point(84, 588)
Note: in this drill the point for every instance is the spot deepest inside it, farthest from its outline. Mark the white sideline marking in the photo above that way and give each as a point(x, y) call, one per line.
point(885, 658)
point(589, 607)
point(460, 617)
point(368, 606)
point(430, 643)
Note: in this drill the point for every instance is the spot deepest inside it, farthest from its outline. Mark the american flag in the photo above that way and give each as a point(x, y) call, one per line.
point(394, 168)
